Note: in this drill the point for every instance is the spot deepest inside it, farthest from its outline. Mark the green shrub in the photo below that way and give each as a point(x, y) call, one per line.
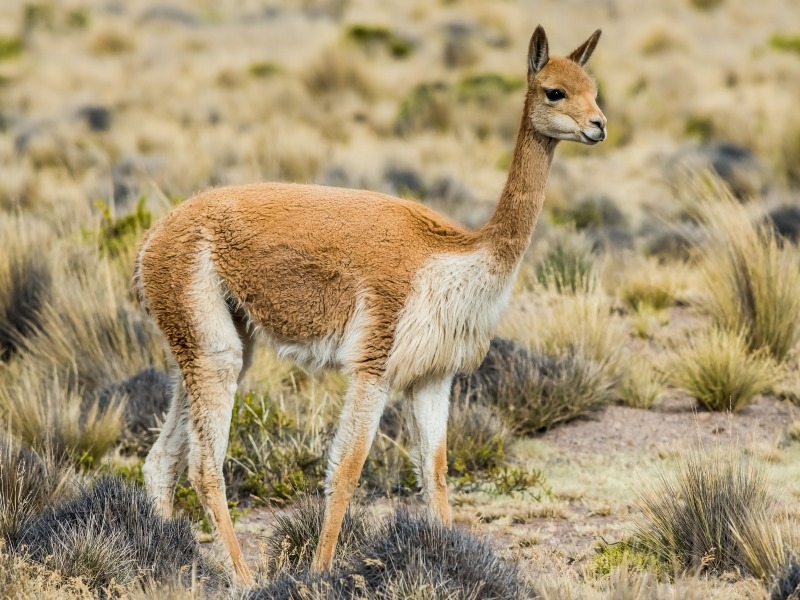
point(118, 234)
point(717, 370)
point(592, 213)
point(270, 457)
point(10, 47)
point(706, 4)
point(263, 69)
point(629, 552)
point(372, 37)
point(428, 107)
point(478, 441)
point(485, 88)
point(788, 43)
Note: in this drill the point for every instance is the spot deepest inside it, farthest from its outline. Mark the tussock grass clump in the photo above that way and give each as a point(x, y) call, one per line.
point(28, 482)
point(717, 370)
point(294, 539)
point(112, 532)
point(89, 336)
point(339, 72)
point(581, 325)
point(535, 391)
point(650, 285)
point(410, 557)
point(752, 283)
point(703, 518)
point(45, 416)
point(427, 107)
point(567, 268)
point(641, 384)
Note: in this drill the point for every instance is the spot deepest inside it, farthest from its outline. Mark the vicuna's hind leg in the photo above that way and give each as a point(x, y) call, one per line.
point(167, 458)
point(361, 413)
point(430, 407)
point(211, 378)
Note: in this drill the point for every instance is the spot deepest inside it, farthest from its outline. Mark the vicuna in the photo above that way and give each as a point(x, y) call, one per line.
point(393, 294)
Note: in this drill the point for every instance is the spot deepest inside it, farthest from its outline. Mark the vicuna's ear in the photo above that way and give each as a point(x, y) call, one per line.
point(582, 53)
point(537, 51)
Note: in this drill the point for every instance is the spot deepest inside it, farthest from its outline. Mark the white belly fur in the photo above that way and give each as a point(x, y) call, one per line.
point(449, 319)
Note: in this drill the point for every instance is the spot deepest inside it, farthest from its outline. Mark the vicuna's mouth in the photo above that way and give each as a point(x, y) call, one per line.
point(593, 139)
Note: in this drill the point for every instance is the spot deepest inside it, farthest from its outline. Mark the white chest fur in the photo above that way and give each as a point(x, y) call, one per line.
point(450, 317)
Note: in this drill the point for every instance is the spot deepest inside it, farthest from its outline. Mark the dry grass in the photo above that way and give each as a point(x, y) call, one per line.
point(718, 370)
point(45, 415)
point(713, 515)
point(649, 283)
point(641, 383)
point(583, 325)
point(29, 481)
point(752, 283)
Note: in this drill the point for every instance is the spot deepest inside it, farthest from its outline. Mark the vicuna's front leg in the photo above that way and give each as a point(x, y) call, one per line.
point(361, 413)
point(430, 407)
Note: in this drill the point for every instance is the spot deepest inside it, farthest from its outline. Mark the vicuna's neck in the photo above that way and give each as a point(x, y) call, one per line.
point(508, 232)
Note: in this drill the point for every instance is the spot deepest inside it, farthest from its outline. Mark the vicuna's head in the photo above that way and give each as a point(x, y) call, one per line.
point(561, 95)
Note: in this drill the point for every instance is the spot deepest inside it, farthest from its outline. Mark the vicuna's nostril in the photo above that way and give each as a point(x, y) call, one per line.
point(598, 123)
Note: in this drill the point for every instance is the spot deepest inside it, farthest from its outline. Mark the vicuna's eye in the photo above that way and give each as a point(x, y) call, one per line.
point(554, 95)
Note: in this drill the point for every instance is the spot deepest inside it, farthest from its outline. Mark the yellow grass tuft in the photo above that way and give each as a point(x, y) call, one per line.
point(718, 370)
point(751, 281)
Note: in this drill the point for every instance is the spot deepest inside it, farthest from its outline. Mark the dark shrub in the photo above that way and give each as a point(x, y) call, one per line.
point(294, 539)
point(23, 291)
point(112, 531)
point(787, 584)
point(410, 557)
point(146, 396)
point(786, 221)
point(535, 391)
point(595, 212)
point(418, 551)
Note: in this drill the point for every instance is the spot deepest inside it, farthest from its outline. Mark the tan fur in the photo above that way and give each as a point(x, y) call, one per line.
point(385, 289)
